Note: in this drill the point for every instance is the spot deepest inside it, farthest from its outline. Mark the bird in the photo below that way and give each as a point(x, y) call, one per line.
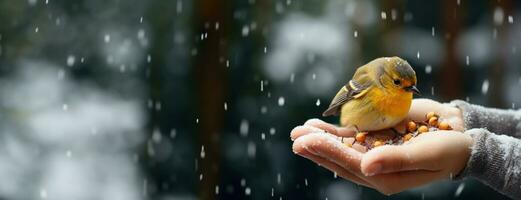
point(378, 96)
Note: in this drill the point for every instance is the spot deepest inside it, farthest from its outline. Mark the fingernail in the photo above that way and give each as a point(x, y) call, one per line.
point(373, 169)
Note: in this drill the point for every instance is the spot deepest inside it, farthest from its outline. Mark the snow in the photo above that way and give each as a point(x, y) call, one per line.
point(43, 194)
point(281, 101)
point(203, 153)
point(499, 16)
point(342, 190)
point(459, 190)
point(272, 131)
point(251, 149)
point(141, 34)
point(428, 69)
point(484, 87)
point(179, 6)
point(71, 59)
point(173, 133)
point(264, 109)
point(394, 14)
point(245, 31)
point(106, 38)
point(85, 139)
point(244, 128)
point(299, 36)
point(476, 43)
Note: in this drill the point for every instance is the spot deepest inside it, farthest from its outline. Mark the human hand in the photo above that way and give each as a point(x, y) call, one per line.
point(420, 108)
point(389, 169)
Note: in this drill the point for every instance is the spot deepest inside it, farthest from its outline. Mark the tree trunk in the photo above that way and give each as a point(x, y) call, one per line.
point(211, 85)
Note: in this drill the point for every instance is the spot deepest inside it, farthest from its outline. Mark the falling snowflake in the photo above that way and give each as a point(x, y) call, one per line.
point(484, 87)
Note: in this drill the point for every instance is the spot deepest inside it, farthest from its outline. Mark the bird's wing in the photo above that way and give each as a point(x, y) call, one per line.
point(351, 90)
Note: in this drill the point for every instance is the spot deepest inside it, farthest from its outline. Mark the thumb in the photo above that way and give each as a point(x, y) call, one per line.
point(389, 159)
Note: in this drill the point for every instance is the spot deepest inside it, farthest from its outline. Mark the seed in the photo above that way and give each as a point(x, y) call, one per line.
point(378, 143)
point(411, 126)
point(407, 137)
point(433, 121)
point(360, 137)
point(431, 114)
point(423, 129)
point(444, 126)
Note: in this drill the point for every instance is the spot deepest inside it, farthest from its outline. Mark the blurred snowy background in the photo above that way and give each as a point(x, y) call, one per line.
point(183, 99)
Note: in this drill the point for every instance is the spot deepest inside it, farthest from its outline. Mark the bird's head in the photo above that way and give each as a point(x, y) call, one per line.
point(398, 75)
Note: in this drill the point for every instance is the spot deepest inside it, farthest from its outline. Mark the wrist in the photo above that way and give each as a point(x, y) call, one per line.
point(469, 115)
point(468, 145)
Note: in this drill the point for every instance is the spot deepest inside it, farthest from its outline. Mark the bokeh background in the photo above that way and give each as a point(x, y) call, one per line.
point(195, 99)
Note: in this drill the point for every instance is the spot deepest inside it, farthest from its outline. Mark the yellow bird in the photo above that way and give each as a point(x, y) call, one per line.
point(377, 97)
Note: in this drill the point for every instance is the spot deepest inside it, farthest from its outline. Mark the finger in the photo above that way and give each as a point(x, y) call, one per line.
point(388, 159)
point(420, 107)
point(321, 125)
point(331, 167)
point(399, 181)
point(339, 131)
point(337, 153)
point(331, 148)
point(303, 130)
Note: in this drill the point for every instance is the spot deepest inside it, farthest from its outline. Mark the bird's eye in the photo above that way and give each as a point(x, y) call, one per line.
point(396, 82)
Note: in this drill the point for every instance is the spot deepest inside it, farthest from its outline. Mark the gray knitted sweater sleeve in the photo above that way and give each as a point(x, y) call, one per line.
point(495, 158)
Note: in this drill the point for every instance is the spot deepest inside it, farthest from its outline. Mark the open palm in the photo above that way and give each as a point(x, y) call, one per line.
point(390, 169)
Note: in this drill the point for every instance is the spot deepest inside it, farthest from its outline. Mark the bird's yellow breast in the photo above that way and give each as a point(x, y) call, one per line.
point(376, 110)
point(394, 103)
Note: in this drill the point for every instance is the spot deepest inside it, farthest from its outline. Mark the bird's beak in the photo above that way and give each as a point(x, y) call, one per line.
point(413, 89)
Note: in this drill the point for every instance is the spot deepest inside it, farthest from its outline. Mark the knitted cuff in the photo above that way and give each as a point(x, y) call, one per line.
point(480, 162)
point(494, 120)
